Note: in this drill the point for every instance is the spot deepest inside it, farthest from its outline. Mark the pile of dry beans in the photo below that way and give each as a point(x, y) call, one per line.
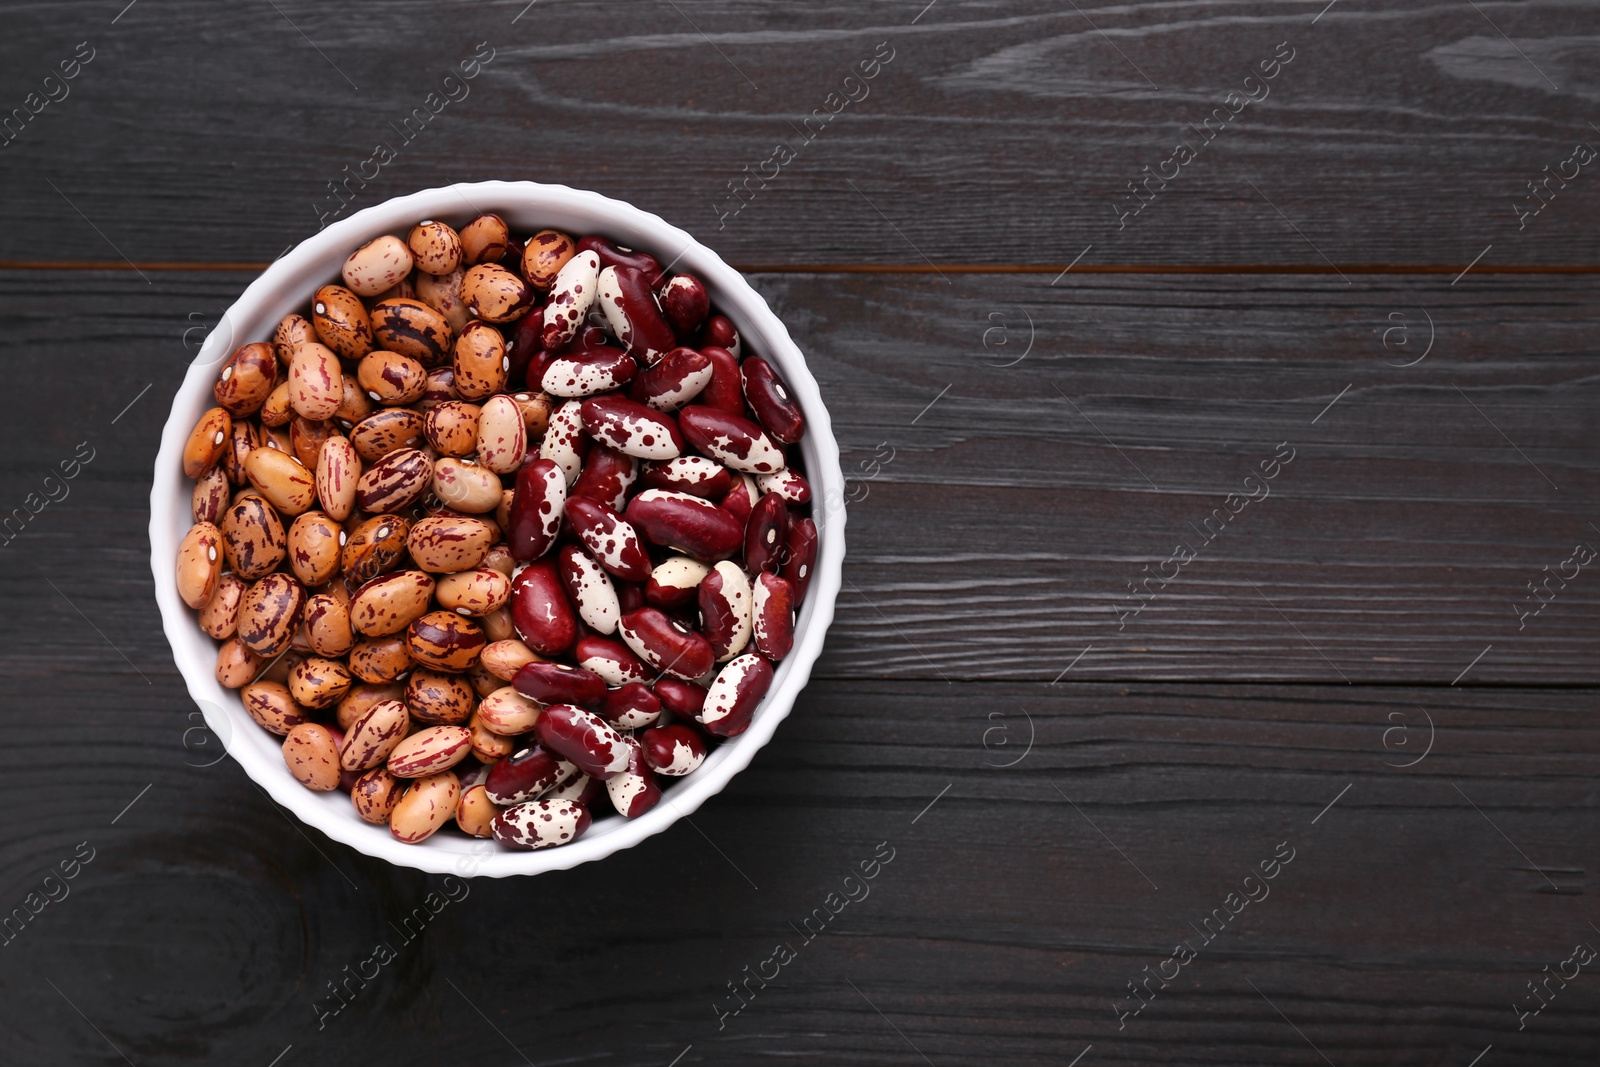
point(499, 528)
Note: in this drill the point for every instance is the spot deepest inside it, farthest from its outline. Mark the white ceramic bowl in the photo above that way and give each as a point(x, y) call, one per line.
point(287, 286)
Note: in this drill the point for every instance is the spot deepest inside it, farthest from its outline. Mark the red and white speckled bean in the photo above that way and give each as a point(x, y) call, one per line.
point(541, 824)
point(563, 440)
point(589, 588)
point(571, 296)
point(733, 696)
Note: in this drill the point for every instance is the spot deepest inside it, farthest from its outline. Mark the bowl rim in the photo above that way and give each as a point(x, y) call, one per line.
point(224, 712)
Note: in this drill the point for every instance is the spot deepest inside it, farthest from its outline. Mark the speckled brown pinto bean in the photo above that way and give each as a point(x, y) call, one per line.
point(464, 486)
point(269, 613)
point(377, 266)
point(314, 548)
point(375, 546)
point(505, 656)
point(508, 712)
point(475, 592)
point(375, 794)
point(413, 329)
point(209, 500)
point(316, 382)
point(219, 617)
point(435, 247)
point(475, 812)
point(338, 470)
point(426, 806)
point(311, 752)
point(279, 478)
point(572, 294)
point(353, 406)
point(540, 824)
point(341, 322)
point(271, 705)
point(315, 682)
point(247, 379)
point(502, 435)
point(495, 294)
point(306, 438)
point(244, 439)
point(206, 442)
point(444, 641)
point(327, 622)
point(391, 378)
point(236, 664)
point(361, 698)
point(485, 239)
point(443, 294)
point(439, 699)
point(395, 481)
point(544, 255)
point(373, 736)
point(479, 361)
point(386, 431)
point(446, 544)
point(380, 659)
point(199, 564)
point(536, 409)
point(430, 751)
point(452, 427)
point(291, 332)
point(390, 602)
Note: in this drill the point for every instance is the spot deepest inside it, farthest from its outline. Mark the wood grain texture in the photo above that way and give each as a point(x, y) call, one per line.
point(998, 133)
point(1008, 923)
point(1006, 521)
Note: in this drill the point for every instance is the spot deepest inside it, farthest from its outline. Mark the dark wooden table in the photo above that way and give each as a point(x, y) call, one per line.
point(1337, 671)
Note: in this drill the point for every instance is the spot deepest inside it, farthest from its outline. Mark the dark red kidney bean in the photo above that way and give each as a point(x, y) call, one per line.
point(533, 373)
point(536, 509)
point(725, 602)
point(614, 255)
point(695, 475)
point(733, 696)
point(666, 645)
point(611, 539)
point(633, 314)
point(683, 699)
point(730, 439)
point(719, 331)
point(539, 609)
point(523, 343)
point(560, 683)
point(524, 774)
point(540, 824)
point(800, 556)
point(681, 376)
point(673, 750)
point(769, 398)
point(611, 660)
point(725, 391)
point(741, 499)
point(607, 475)
point(588, 371)
point(766, 534)
point(584, 739)
point(772, 616)
point(629, 426)
point(630, 596)
point(631, 707)
point(686, 303)
point(690, 524)
point(634, 791)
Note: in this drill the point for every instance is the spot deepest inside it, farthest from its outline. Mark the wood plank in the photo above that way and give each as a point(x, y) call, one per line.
point(998, 132)
point(1003, 931)
point(1000, 536)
